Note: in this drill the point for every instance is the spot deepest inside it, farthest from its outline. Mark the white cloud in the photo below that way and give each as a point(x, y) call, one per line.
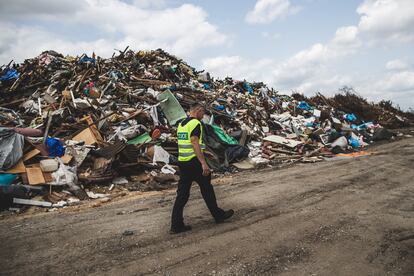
point(309, 69)
point(381, 20)
point(398, 82)
point(396, 64)
point(324, 83)
point(395, 86)
point(14, 44)
point(23, 8)
point(303, 70)
point(306, 71)
point(239, 68)
point(150, 3)
point(266, 11)
point(181, 30)
point(312, 63)
point(299, 68)
point(391, 20)
point(346, 39)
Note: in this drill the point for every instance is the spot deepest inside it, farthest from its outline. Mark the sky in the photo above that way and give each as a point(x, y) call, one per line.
point(305, 46)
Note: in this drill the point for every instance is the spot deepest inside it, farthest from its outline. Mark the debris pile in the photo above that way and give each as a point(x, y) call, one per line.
point(74, 128)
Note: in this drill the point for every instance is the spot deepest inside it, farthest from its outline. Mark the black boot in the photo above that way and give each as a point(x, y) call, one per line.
point(180, 229)
point(226, 215)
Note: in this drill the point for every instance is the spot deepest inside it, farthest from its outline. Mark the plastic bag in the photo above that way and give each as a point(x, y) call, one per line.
point(11, 148)
point(133, 131)
point(304, 105)
point(350, 117)
point(65, 175)
point(340, 142)
point(167, 169)
point(353, 142)
point(223, 136)
point(9, 74)
point(160, 155)
point(55, 147)
point(7, 178)
point(248, 87)
point(236, 153)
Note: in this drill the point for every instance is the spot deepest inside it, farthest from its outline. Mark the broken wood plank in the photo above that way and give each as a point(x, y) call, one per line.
point(13, 102)
point(282, 141)
point(18, 168)
point(31, 154)
point(66, 158)
point(35, 176)
point(282, 151)
point(93, 128)
point(87, 136)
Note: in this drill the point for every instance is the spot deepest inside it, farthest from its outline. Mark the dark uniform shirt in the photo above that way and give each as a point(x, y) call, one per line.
point(196, 131)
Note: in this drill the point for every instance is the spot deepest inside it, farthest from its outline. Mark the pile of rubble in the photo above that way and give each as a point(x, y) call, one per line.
point(74, 128)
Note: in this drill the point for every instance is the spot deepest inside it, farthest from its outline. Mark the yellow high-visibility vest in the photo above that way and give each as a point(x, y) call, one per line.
point(185, 148)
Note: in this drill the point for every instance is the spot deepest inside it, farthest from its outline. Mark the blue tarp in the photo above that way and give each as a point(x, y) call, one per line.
point(350, 117)
point(7, 178)
point(304, 105)
point(85, 59)
point(10, 74)
point(353, 142)
point(219, 107)
point(362, 126)
point(55, 147)
point(248, 87)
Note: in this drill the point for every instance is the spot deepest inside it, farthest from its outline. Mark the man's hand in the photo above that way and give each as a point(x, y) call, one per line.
point(200, 155)
point(206, 169)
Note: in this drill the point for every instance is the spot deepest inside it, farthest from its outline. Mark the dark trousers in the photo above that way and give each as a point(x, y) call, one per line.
point(192, 171)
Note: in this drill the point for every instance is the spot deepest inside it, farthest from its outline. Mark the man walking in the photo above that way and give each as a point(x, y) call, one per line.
point(193, 167)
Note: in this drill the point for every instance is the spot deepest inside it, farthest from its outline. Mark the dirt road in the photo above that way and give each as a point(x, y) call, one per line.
point(342, 217)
